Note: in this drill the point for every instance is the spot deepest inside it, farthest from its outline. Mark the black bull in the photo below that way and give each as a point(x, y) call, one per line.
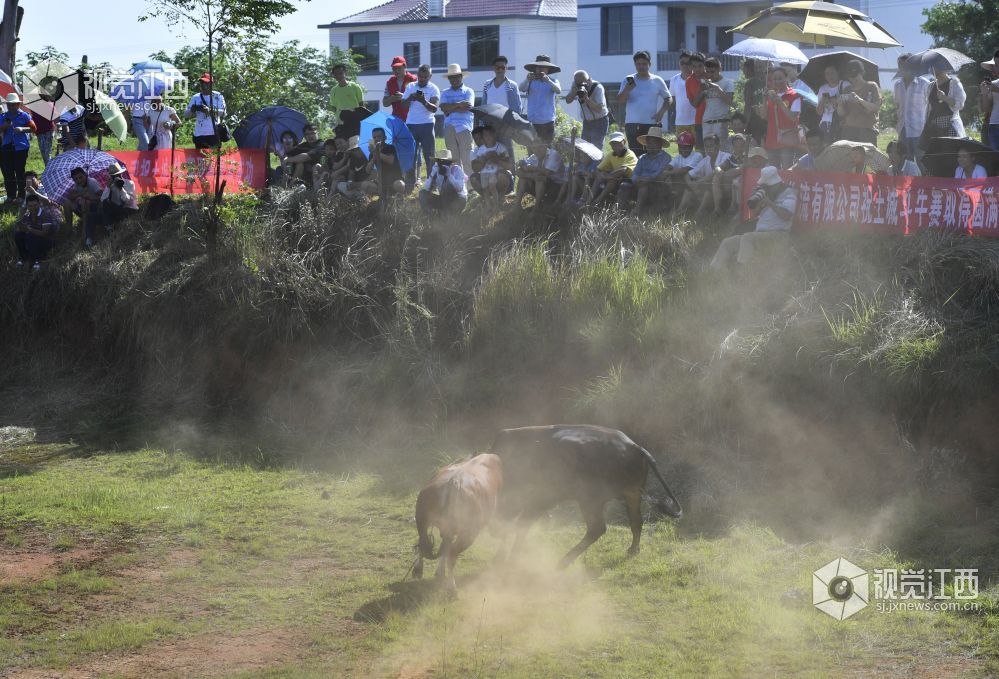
point(543, 466)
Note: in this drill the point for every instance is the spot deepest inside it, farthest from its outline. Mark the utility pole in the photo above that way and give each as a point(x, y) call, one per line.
point(9, 29)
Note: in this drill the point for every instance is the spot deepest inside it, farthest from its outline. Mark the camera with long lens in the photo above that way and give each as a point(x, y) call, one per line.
point(756, 198)
point(580, 92)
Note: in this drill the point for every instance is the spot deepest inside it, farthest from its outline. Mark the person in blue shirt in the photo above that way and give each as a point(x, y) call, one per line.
point(501, 90)
point(647, 174)
point(15, 126)
point(456, 104)
point(542, 90)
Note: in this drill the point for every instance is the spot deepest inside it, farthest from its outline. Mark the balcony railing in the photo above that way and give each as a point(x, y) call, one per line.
point(670, 61)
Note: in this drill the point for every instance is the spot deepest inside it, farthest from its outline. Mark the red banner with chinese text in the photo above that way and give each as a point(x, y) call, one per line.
point(884, 204)
point(192, 171)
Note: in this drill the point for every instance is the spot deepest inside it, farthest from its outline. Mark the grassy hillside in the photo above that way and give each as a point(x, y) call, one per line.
point(833, 400)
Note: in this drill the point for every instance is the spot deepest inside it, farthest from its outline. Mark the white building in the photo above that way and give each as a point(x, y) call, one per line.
point(468, 32)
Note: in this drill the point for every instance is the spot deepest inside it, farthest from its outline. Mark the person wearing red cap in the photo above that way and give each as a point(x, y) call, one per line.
point(207, 107)
point(396, 86)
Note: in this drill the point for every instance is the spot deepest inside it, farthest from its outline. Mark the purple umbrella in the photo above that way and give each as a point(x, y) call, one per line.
point(57, 180)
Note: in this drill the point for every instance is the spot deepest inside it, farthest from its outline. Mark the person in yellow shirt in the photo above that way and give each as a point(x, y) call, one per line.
point(613, 169)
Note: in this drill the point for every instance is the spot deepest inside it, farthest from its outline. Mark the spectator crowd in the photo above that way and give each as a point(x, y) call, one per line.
point(682, 145)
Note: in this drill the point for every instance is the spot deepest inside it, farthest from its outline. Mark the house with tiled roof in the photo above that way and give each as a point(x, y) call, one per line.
point(468, 32)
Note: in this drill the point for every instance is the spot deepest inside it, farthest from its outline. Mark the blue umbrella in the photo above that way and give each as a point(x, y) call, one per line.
point(396, 133)
point(141, 86)
point(252, 132)
point(154, 65)
point(57, 180)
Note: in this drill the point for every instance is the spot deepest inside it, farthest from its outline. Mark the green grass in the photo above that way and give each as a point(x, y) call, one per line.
point(234, 549)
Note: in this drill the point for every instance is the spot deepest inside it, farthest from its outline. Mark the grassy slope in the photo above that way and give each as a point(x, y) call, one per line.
point(240, 549)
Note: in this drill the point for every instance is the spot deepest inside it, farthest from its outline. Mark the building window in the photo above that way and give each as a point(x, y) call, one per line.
point(483, 45)
point(365, 45)
point(723, 39)
point(438, 54)
point(615, 30)
point(411, 53)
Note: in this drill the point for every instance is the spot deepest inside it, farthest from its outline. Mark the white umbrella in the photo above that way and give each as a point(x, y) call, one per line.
point(768, 49)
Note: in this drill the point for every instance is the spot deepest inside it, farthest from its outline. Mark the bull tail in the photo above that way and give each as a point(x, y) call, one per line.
point(674, 510)
point(425, 541)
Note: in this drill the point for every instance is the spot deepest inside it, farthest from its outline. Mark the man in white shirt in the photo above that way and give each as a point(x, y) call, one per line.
point(716, 92)
point(207, 108)
point(542, 167)
point(423, 97)
point(775, 203)
point(911, 97)
point(119, 199)
point(685, 160)
point(492, 166)
point(700, 180)
point(683, 113)
point(445, 186)
point(646, 99)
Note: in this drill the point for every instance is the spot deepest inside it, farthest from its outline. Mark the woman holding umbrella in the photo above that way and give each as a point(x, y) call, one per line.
point(946, 99)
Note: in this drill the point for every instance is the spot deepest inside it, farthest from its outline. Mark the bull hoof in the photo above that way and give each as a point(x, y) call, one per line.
point(633, 551)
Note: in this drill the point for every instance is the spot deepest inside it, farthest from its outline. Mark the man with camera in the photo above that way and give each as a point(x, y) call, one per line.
point(647, 99)
point(592, 107)
point(773, 203)
point(423, 98)
point(542, 89)
point(207, 107)
point(444, 189)
point(119, 199)
point(716, 93)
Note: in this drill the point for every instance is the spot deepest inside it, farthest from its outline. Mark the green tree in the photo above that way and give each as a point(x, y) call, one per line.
point(47, 52)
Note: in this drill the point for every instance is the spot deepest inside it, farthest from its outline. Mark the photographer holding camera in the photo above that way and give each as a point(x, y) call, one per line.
point(592, 107)
point(119, 199)
point(541, 90)
point(444, 188)
point(774, 203)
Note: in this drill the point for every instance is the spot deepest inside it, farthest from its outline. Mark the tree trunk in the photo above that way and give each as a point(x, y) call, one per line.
point(8, 35)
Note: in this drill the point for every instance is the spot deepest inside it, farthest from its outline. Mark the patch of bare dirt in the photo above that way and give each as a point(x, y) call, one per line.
point(156, 570)
point(208, 656)
point(30, 565)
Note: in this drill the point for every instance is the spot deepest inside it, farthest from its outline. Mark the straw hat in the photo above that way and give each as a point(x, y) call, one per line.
point(116, 170)
point(653, 133)
point(455, 69)
point(443, 154)
point(542, 61)
point(12, 98)
point(769, 176)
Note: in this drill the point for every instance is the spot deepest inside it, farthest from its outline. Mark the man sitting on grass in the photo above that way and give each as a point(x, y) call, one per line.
point(537, 172)
point(34, 234)
point(384, 171)
point(444, 189)
point(119, 200)
point(700, 180)
point(84, 200)
point(646, 180)
point(300, 159)
point(493, 169)
point(615, 168)
point(774, 203)
point(355, 178)
point(685, 160)
point(331, 166)
point(727, 185)
point(577, 188)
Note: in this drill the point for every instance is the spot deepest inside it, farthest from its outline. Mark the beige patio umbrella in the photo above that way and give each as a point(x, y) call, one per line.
point(823, 24)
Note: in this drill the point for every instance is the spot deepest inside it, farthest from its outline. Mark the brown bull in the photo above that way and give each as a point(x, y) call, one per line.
point(544, 466)
point(459, 500)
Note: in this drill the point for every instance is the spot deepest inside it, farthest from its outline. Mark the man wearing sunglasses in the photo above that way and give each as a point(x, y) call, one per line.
point(501, 90)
